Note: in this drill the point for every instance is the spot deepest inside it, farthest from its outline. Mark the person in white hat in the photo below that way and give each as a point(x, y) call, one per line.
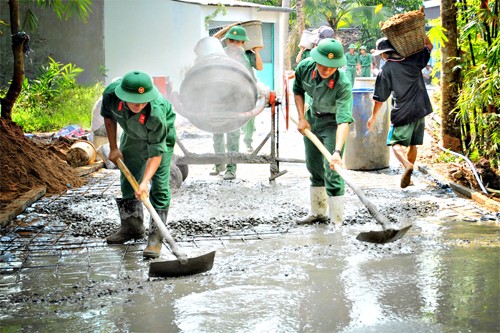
point(402, 78)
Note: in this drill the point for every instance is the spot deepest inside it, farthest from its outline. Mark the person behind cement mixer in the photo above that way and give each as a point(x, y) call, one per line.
point(235, 38)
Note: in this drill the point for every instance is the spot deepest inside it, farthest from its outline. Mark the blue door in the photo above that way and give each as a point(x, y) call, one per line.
point(266, 75)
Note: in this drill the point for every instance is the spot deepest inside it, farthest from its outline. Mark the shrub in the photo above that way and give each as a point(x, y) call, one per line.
point(54, 100)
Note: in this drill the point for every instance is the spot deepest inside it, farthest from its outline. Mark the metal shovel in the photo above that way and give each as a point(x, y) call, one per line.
point(183, 265)
point(387, 234)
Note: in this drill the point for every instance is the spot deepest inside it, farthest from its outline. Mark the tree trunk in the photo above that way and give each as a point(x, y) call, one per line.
point(300, 16)
point(288, 63)
point(19, 39)
point(450, 79)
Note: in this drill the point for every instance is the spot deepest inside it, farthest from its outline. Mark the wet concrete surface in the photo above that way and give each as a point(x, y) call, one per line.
point(269, 275)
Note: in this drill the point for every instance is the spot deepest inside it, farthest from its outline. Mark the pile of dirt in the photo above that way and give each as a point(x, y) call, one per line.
point(26, 164)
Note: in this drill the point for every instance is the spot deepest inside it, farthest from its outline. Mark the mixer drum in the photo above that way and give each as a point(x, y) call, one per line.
point(217, 93)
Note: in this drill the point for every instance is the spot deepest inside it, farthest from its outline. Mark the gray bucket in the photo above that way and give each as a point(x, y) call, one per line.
point(254, 34)
point(217, 94)
point(367, 150)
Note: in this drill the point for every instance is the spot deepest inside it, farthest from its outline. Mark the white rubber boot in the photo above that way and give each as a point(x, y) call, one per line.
point(318, 207)
point(336, 210)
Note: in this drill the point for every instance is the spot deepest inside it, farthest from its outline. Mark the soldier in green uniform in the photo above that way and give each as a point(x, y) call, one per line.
point(146, 147)
point(248, 129)
point(352, 61)
point(235, 38)
point(303, 54)
point(328, 116)
point(365, 62)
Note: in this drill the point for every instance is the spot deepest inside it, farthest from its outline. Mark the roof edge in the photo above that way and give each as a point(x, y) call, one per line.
point(232, 3)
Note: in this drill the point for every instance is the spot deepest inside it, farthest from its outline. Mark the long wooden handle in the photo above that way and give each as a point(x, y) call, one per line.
point(176, 250)
point(359, 192)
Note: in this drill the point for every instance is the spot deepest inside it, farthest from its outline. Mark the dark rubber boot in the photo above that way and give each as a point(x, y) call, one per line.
point(155, 238)
point(132, 227)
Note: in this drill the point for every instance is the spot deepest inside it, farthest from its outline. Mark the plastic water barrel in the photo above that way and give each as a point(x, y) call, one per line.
point(364, 82)
point(367, 150)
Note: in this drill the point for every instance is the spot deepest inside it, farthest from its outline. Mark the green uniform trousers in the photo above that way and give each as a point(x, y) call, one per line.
point(365, 71)
point(351, 73)
point(325, 129)
point(232, 144)
point(135, 155)
point(248, 130)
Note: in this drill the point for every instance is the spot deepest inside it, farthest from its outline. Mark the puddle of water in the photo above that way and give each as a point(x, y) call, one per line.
point(250, 308)
point(442, 276)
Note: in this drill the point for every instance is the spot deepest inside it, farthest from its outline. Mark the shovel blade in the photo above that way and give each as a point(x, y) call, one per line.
point(174, 268)
point(384, 236)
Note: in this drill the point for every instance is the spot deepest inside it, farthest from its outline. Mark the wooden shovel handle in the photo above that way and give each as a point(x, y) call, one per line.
point(371, 207)
point(177, 251)
point(128, 175)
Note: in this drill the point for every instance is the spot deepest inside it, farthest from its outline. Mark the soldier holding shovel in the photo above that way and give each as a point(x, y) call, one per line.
point(328, 116)
point(146, 147)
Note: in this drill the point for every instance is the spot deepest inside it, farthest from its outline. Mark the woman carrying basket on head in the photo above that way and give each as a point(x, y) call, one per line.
point(410, 101)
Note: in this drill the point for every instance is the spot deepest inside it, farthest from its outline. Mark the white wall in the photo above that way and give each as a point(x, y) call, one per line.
point(280, 20)
point(152, 36)
point(158, 36)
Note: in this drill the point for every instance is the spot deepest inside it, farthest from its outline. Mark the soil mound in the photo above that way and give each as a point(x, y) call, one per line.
point(26, 164)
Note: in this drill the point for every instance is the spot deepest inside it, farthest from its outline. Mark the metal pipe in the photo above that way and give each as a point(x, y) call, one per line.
point(471, 165)
point(259, 106)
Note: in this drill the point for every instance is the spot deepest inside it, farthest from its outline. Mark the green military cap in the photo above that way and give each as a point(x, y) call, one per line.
point(137, 87)
point(237, 33)
point(352, 46)
point(329, 53)
point(362, 48)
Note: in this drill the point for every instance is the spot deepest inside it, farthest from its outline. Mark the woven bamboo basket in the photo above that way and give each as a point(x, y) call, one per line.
point(406, 32)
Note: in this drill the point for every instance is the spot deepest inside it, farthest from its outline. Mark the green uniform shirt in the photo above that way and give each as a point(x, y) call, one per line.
point(252, 59)
point(238, 53)
point(332, 95)
point(352, 59)
point(306, 54)
point(154, 124)
point(365, 60)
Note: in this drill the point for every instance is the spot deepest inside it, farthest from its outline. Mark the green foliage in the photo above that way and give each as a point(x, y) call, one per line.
point(331, 11)
point(447, 158)
point(437, 34)
point(2, 25)
point(221, 9)
point(54, 100)
point(64, 9)
point(479, 100)
point(30, 20)
point(394, 6)
point(367, 19)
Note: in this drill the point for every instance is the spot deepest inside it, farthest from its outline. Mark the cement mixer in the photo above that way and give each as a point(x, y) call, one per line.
point(218, 94)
